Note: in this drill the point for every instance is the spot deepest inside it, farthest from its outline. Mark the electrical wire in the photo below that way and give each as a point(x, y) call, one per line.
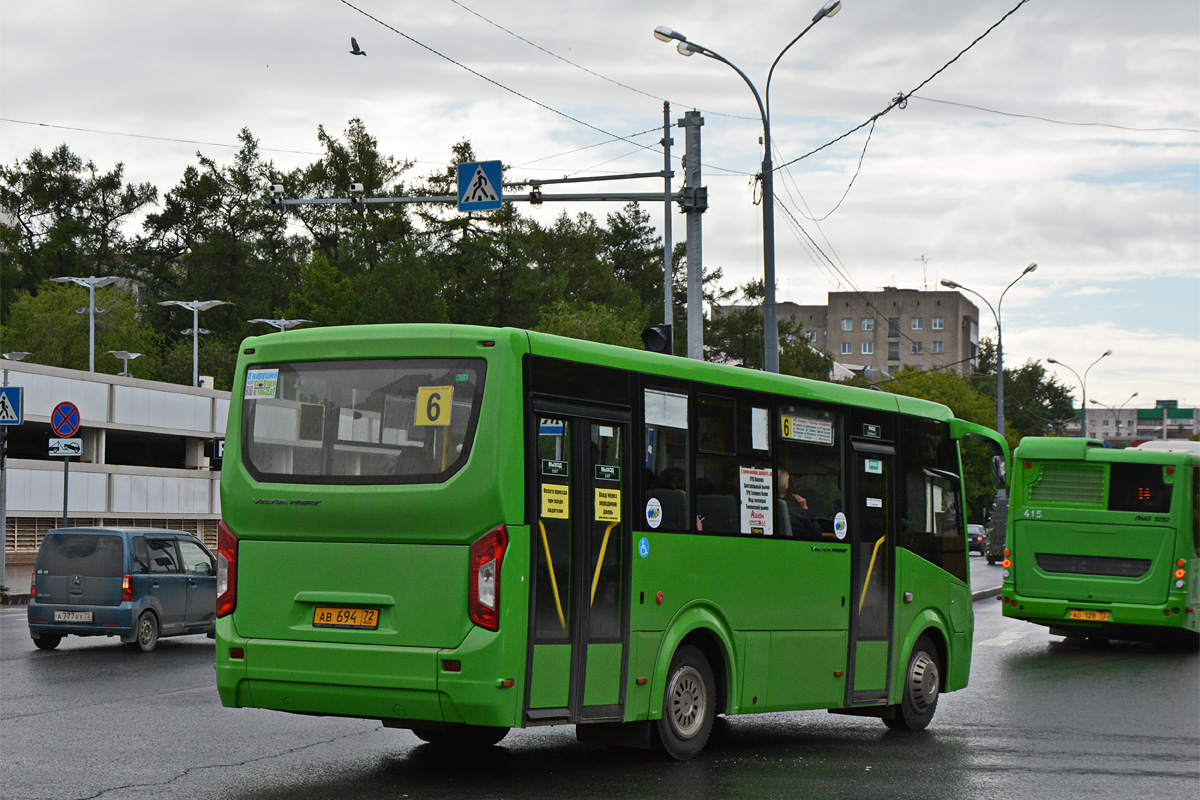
point(493, 81)
point(901, 100)
point(1055, 121)
point(156, 138)
point(593, 73)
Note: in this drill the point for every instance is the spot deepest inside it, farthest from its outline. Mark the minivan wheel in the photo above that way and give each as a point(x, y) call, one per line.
point(47, 641)
point(147, 631)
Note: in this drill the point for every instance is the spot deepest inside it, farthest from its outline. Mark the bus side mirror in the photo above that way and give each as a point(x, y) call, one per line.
point(999, 471)
point(657, 339)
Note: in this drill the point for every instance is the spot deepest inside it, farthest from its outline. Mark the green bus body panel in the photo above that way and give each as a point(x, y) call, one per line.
point(935, 595)
point(870, 666)
point(801, 671)
point(419, 589)
point(552, 670)
point(603, 680)
point(1059, 507)
point(1035, 537)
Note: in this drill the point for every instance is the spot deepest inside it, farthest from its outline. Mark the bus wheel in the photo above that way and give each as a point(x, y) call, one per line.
point(922, 682)
point(689, 705)
point(47, 641)
point(465, 736)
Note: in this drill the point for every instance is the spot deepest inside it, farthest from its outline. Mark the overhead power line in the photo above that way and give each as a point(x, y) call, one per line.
point(1055, 121)
point(156, 138)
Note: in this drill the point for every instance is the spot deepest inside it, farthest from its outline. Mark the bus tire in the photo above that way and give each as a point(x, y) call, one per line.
point(47, 641)
point(469, 737)
point(922, 684)
point(689, 705)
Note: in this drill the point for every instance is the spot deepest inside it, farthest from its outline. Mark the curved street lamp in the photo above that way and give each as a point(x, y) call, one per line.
point(999, 339)
point(1116, 412)
point(195, 306)
point(1082, 388)
point(125, 357)
point(282, 324)
point(90, 284)
point(770, 308)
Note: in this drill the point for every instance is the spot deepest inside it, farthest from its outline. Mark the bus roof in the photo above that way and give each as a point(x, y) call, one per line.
point(1075, 449)
point(373, 341)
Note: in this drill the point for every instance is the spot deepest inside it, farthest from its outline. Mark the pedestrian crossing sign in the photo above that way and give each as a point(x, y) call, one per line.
point(11, 411)
point(479, 187)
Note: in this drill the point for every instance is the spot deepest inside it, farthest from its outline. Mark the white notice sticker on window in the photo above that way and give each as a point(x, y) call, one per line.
point(261, 383)
point(874, 502)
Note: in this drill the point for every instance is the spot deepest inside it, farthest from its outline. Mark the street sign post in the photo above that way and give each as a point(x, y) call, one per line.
point(12, 412)
point(479, 186)
point(64, 420)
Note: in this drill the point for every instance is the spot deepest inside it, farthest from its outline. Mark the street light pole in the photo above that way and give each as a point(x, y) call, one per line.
point(282, 324)
point(90, 284)
point(1116, 412)
point(195, 306)
point(1082, 389)
point(770, 307)
point(999, 339)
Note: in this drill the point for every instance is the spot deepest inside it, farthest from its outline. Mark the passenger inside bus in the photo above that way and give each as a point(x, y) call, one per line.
point(802, 523)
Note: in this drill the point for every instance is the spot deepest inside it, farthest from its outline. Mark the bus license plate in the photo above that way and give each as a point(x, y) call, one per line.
point(330, 617)
point(1090, 616)
point(72, 616)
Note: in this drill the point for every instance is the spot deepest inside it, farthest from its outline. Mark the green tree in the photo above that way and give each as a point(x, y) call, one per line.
point(1035, 403)
point(48, 326)
point(67, 218)
point(590, 321)
point(954, 390)
point(735, 336)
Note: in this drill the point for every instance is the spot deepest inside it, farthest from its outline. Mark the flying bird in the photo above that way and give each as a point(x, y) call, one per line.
point(355, 51)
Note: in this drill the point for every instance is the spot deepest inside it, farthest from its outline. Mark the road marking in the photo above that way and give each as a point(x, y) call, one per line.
point(1004, 639)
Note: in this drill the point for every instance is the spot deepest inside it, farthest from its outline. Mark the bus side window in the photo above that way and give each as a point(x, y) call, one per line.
point(666, 458)
point(932, 519)
point(809, 453)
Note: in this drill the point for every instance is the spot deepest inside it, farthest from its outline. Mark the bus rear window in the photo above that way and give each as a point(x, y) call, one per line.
point(360, 422)
point(1138, 487)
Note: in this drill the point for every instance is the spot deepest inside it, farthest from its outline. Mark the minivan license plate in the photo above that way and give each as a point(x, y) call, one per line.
point(1092, 616)
point(330, 617)
point(72, 616)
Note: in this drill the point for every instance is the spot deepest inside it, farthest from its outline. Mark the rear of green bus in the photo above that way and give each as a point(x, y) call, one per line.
point(1102, 543)
point(369, 493)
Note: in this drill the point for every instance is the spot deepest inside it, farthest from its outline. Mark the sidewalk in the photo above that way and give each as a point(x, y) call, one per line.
point(17, 569)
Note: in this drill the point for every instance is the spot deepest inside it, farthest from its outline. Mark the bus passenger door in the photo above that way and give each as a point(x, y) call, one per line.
point(578, 600)
point(873, 542)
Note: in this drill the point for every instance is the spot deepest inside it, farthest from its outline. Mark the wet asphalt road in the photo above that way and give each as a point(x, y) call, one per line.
point(1041, 720)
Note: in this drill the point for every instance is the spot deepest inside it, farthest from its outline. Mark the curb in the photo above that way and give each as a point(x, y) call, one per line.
point(7, 599)
point(982, 594)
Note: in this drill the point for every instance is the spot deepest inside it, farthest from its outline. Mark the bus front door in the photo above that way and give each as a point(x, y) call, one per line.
point(872, 537)
point(578, 601)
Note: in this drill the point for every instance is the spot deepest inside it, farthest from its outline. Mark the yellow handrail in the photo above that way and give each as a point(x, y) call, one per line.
point(600, 563)
point(870, 569)
point(553, 582)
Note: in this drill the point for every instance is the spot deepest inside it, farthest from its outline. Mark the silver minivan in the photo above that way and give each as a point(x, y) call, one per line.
point(136, 583)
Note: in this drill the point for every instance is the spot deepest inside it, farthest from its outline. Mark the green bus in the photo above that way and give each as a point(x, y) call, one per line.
point(460, 530)
point(1103, 543)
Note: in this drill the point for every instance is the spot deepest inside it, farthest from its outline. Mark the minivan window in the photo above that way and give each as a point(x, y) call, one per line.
point(163, 557)
point(195, 560)
point(84, 554)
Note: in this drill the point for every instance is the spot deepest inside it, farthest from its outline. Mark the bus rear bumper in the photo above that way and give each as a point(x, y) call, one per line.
point(368, 681)
point(1123, 618)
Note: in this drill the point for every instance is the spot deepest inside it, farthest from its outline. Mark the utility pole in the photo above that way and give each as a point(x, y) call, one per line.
point(694, 202)
point(668, 245)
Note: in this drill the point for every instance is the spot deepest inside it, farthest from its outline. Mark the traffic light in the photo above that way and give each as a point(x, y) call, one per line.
point(657, 339)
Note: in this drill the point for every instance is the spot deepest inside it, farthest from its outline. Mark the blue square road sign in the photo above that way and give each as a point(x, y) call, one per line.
point(479, 186)
point(12, 410)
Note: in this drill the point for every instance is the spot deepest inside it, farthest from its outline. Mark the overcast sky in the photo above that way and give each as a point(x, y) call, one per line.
point(1069, 135)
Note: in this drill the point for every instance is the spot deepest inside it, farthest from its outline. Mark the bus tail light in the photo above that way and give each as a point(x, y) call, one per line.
point(127, 588)
point(483, 581)
point(227, 547)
